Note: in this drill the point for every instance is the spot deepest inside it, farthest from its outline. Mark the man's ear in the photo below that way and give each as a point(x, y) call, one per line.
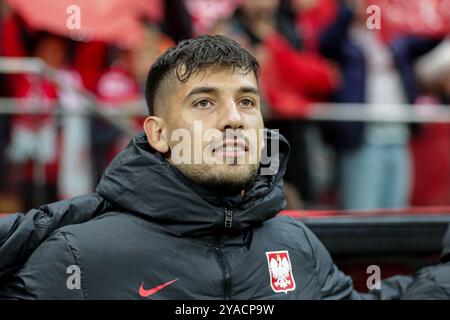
point(155, 130)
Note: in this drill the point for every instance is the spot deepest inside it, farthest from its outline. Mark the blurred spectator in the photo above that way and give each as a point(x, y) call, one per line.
point(63, 154)
point(9, 44)
point(374, 161)
point(34, 137)
point(74, 169)
point(431, 149)
point(115, 88)
point(291, 78)
point(205, 13)
point(4, 121)
point(51, 155)
point(311, 16)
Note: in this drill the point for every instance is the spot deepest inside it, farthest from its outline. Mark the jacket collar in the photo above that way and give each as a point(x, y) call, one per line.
point(141, 181)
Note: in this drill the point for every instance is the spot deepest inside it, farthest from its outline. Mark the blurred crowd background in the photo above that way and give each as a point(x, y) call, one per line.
point(58, 132)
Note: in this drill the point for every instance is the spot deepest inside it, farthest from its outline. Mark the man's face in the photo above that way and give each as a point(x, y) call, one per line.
point(226, 102)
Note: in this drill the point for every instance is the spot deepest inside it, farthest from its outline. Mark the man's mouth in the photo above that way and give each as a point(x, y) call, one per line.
point(231, 149)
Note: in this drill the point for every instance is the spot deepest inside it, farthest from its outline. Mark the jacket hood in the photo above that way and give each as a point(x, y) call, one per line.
point(141, 181)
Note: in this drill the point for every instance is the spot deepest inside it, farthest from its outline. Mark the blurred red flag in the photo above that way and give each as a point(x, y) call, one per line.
point(116, 21)
point(418, 17)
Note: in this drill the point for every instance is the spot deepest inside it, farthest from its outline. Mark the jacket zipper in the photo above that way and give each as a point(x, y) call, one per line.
point(228, 218)
point(225, 271)
point(224, 267)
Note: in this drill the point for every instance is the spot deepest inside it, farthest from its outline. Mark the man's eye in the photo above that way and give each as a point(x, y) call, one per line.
point(247, 103)
point(202, 104)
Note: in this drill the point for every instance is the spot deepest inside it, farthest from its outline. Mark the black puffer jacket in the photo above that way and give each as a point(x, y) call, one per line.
point(432, 282)
point(21, 234)
point(160, 231)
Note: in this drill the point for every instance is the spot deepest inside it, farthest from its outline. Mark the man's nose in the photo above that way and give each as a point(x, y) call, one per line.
point(231, 117)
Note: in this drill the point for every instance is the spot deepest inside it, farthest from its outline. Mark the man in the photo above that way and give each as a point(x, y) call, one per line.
point(175, 230)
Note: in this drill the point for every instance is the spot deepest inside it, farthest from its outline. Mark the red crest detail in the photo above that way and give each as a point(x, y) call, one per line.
point(280, 270)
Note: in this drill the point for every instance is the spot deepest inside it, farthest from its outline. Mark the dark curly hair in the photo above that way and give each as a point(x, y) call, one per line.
point(195, 55)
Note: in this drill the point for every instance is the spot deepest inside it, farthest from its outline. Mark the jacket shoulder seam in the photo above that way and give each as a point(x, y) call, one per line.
point(74, 252)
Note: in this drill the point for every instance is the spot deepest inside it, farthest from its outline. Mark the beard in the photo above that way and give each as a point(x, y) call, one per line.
point(221, 178)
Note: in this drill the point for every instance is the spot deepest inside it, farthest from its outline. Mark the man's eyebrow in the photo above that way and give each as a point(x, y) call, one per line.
point(200, 90)
point(214, 90)
point(249, 89)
